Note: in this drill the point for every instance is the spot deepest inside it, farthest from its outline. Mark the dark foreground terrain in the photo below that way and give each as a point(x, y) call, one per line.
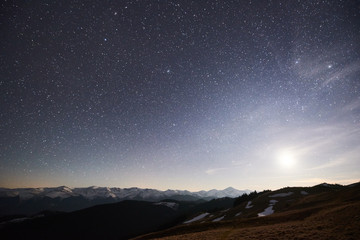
point(121, 220)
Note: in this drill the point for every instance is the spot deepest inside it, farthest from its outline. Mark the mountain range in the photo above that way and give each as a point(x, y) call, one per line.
point(118, 193)
point(33, 200)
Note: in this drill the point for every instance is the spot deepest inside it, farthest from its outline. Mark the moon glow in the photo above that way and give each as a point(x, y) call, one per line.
point(286, 159)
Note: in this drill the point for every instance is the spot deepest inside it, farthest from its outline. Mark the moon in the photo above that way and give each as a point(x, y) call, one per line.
point(286, 159)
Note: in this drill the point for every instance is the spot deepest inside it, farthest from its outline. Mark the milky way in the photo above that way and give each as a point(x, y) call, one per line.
point(179, 94)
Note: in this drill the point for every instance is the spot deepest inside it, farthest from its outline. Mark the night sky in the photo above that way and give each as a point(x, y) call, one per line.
point(179, 94)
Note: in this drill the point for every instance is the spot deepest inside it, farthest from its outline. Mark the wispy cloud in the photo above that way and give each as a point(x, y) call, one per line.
point(330, 164)
point(212, 171)
point(328, 66)
point(344, 72)
point(352, 106)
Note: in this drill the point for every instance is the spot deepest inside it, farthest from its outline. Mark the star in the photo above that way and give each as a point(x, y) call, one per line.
point(120, 88)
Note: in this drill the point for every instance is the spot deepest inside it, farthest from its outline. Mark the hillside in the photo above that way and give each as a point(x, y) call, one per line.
point(320, 212)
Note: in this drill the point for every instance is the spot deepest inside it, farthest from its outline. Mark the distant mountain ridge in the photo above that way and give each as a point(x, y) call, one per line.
point(94, 192)
point(34, 200)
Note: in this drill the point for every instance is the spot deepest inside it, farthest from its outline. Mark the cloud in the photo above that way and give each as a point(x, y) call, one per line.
point(352, 106)
point(240, 163)
point(328, 66)
point(212, 171)
point(329, 164)
point(343, 73)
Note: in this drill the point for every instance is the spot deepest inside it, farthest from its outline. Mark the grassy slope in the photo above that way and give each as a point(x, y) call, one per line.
point(326, 213)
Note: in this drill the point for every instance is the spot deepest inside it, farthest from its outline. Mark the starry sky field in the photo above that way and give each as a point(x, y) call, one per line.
point(186, 94)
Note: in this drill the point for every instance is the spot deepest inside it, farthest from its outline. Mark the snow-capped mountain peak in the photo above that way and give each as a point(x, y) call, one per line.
point(94, 192)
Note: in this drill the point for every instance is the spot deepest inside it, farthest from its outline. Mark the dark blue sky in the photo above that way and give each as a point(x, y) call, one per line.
point(179, 94)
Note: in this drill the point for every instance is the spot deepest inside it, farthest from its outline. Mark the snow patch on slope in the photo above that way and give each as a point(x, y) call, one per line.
point(201, 216)
point(248, 205)
point(218, 219)
point(273, 201)
point(269, 210)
